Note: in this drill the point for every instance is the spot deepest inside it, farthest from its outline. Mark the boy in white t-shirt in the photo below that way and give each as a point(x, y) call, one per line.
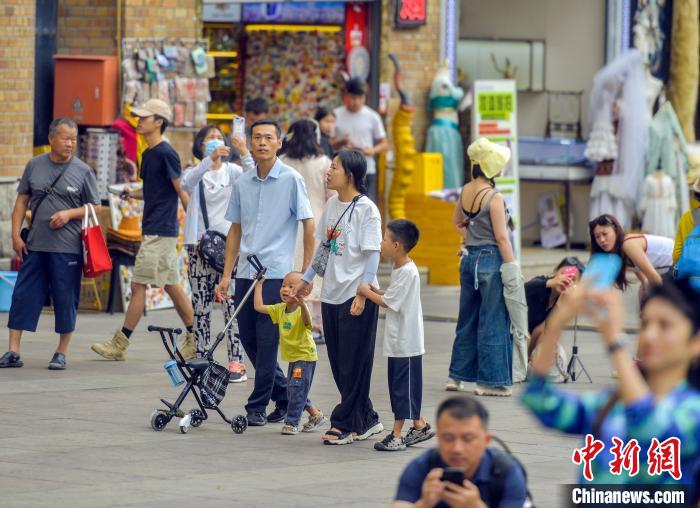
point(403, 336)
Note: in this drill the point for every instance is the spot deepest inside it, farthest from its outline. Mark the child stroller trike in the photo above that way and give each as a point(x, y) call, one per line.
point(206, 379)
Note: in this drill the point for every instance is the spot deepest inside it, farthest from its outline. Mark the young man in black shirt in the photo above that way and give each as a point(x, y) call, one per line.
point(156, 262)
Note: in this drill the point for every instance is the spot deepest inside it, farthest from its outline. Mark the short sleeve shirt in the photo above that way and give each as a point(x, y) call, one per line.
point(364, 128)
point(296, 341)
point(269, 212)
point(159, 166)
point(537, 295)
point(358, 232)
point(412, 478)
point(76, 188)
point(403, 331)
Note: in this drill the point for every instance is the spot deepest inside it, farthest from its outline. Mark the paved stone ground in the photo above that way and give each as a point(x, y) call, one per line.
point(82, 438)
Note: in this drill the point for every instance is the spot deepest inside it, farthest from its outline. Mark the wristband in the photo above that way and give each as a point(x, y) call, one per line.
point(619, 343)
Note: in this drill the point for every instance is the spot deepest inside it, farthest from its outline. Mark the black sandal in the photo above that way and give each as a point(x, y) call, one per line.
point(343, 438)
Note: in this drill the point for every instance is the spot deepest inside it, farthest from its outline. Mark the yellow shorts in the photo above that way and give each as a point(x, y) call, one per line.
point(156, 262)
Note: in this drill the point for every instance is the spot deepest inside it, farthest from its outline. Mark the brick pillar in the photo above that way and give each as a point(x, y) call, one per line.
point(418, 51)
point(87, 27)
point(16, 85)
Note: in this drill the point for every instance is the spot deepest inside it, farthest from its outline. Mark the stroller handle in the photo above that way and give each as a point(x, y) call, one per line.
point(153, 328)
point(255, 262)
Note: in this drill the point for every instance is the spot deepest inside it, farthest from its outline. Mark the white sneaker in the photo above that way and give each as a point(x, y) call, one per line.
point(452, 385)
point(493, 391)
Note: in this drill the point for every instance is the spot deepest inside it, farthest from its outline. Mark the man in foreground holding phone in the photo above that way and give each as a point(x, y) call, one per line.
point(460, 472)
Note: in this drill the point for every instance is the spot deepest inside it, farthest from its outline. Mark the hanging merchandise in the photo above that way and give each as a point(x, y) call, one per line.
point(99, 149)
point(620, 127)
point(658, 206)
point(173, 70)
point(668, 151)
point(294, 70)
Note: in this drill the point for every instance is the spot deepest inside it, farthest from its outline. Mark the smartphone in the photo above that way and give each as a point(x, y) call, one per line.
point(238, 126)
point(453, 475)
point(602, 270)
point(571, 272)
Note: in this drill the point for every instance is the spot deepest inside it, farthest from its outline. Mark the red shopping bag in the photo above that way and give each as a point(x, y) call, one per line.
point(96, 258)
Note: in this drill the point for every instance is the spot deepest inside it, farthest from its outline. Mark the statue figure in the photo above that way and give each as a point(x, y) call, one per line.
point(443, 135)
point(405, 149)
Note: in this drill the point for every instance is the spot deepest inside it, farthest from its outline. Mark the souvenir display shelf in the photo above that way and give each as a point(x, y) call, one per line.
point(295, 68)
point(225, 87)
point(176, 70)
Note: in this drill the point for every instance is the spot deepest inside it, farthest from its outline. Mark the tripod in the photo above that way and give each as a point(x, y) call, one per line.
point(575, 359)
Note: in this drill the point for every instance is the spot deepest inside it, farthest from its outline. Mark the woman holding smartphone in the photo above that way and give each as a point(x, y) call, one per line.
point(649, 256)
point(212, 179)
point(542, 294)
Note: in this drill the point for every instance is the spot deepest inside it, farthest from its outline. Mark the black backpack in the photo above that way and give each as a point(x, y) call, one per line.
point(503, 461)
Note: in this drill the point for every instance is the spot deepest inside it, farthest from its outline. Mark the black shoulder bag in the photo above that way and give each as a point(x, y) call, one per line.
point(212, 246)
point(320, 261)
point(24, 232)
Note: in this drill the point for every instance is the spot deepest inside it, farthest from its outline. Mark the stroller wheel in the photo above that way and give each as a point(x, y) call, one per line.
point(197, 418)
point(159, 420)
point(239, 424)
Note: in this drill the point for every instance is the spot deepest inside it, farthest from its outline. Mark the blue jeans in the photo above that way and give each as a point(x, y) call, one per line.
point(483, 347)
point(299, 377)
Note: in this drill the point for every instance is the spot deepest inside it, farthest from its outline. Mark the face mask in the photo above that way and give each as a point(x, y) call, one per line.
point(212, 145)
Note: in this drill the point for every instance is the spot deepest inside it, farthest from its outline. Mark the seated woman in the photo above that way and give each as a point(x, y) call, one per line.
point(658, 400)
point(649, 256)
point(543, 292)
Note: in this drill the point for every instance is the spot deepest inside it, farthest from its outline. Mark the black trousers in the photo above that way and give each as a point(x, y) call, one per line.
point(350, 344)
point(260, 339)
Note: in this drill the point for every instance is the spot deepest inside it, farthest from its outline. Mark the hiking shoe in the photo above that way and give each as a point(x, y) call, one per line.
point(452, 385)
point(390, 444)
point(314, 422)
point(188, 347)
point(415, 436)
point(10, 360)
point(277, 415)
point(114, 348)
point(289, 430)
point(493, 391)
point(374, 429)
point(237, 372)
point(58, 362)
point(256, 419)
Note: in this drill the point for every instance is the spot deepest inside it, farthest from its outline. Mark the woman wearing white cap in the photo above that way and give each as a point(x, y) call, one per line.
point(483, 348)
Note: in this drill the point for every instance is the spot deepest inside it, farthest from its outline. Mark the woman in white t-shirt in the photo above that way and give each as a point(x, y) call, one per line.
point(215, 178)
point(301, 150)
point(351, 228)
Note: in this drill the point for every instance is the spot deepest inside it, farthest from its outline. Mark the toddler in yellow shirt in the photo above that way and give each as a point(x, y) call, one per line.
point(296, 347)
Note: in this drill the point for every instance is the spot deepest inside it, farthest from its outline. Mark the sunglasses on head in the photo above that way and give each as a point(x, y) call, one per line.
point(569, 261)
point(600, 221)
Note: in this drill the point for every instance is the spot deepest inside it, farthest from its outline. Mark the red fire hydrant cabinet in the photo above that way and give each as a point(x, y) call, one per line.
point(85, 89)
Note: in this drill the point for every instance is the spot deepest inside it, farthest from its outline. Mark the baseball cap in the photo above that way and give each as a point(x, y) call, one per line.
point(153, 107)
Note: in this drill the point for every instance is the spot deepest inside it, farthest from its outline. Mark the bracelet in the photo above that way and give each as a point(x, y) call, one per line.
point(619, 343)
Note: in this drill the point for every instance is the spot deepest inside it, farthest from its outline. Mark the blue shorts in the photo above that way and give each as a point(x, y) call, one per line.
point(39, 273)
point(406, 387)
